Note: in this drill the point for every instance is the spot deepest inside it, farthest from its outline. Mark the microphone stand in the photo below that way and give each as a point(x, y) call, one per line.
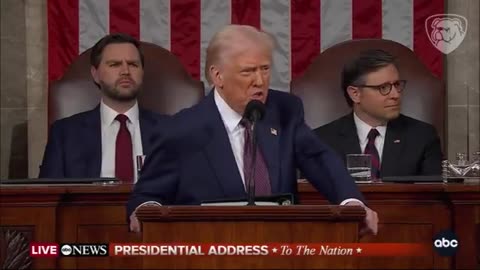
point(251, 177)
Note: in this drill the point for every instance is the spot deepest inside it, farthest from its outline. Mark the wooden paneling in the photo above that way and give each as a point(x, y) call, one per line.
point(14, 247)
point(34, 223)
point(466, 219)
point(407, 212)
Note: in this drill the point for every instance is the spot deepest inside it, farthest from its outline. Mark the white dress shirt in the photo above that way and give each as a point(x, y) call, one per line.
point(362, 131)
point(236, 132)
point(110, 128)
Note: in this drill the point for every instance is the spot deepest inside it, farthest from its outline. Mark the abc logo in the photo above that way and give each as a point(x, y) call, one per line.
point(445, 243)
point(66, 250)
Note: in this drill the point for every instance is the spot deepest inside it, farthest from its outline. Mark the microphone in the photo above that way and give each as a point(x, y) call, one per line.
point(254, 112)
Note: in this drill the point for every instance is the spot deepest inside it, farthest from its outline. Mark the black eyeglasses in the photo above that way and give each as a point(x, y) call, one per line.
point(386, 88)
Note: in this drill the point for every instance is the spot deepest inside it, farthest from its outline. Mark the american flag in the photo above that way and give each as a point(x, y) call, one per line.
point(302, 28)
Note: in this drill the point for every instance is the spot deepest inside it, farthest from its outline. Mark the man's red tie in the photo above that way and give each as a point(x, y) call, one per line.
point(261, 177)
point(372, 150)
point(123, 152)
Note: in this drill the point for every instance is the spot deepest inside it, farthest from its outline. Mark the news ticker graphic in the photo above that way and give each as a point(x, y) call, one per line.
point(270, 249)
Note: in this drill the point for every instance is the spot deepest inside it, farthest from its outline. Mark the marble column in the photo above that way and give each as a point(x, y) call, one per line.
point(462, 77)
point(14, 103)
point(36, 81)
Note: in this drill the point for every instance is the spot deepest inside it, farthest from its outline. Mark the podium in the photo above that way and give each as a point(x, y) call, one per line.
point(255, 225)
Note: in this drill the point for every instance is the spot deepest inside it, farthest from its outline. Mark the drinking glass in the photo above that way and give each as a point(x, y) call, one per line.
point(360, 167)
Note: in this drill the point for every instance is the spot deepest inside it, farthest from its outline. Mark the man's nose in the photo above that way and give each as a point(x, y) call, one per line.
point(259, 80)
point(124, 69)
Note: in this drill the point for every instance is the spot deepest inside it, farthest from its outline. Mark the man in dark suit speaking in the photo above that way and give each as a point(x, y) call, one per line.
point(399, 145)
point(105, 141)
point(207, 158)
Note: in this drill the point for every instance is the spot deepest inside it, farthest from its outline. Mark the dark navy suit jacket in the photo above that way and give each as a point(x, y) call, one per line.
point(196, 163)
point(74, 148)
point(411, 147)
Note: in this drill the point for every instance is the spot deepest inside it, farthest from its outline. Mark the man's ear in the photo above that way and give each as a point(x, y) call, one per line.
point(216, 76)
point(354, 93)
point(94, 73)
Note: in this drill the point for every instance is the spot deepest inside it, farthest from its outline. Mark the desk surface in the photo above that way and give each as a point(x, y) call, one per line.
point(303, 186)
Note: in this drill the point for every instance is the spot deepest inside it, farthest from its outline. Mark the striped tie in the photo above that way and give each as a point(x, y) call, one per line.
point(261, 177)
point(372, 150)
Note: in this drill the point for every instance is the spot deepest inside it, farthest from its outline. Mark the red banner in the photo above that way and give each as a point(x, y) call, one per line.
point(274, 249)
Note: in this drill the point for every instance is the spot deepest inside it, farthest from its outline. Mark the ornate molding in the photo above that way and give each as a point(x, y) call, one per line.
point(15, 249)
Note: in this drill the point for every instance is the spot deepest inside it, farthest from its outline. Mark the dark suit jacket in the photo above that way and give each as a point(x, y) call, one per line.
point(196, 162)
point(74, 148)
point(411, 147)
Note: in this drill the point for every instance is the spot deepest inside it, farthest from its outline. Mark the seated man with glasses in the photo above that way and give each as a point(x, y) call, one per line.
point(400, 145)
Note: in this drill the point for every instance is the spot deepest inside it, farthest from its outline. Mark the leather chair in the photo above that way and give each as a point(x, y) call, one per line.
point(167, 87)
point(322, 96)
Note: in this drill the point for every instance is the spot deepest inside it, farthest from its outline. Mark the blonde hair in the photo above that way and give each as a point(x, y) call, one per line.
point(231, 36)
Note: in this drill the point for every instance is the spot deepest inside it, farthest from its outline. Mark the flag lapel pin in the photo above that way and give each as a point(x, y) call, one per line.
point(396, 141)
point(273, 131)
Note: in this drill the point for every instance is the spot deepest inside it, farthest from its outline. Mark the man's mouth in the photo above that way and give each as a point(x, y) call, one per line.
point(258, 95)
point(125, 82)
point(394, 106)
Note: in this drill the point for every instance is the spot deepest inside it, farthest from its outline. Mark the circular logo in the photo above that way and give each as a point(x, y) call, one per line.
point(445, 243)
point(66, 250)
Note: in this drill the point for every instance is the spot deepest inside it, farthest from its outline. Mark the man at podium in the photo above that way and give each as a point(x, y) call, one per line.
point(210, 154)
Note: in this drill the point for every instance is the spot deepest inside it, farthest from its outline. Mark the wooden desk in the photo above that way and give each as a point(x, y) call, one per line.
point(416, 213)
point(408, 213)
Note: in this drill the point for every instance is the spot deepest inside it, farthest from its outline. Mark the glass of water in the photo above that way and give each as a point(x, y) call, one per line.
point(360, 167)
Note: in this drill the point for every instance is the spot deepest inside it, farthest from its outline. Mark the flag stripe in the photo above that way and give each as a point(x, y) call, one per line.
point(336, 22)
point(302, 28)
point(62, 36)
point(124, 17)
point(155, 22)
point(422, 46)
point(93, 22)
point(246, 12)
point(305, 34)
point(397, 21)
point(185, 34)
point(275, 19)
point(215, 14)
point(367, 18)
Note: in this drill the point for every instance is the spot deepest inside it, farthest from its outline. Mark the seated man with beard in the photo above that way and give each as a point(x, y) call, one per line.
point(105, 141)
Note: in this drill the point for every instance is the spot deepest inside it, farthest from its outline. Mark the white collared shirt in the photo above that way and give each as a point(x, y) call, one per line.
point(110, 128)
point(362, 131)
point(231, 120)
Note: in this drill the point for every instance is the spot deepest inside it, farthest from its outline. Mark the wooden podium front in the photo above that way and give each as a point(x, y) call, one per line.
point(254, 225)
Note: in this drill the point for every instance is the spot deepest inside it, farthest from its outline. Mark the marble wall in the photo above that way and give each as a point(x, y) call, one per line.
point(463, 83)
point(13, 86)
point(24, 86)
point(36, 81)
